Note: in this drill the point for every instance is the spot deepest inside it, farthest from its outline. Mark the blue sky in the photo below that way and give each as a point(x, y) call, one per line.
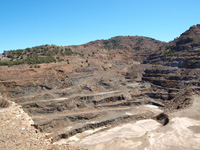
point(28, 23)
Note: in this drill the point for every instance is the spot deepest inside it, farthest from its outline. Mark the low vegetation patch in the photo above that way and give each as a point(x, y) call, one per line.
point(37, 55)
point(34, 59)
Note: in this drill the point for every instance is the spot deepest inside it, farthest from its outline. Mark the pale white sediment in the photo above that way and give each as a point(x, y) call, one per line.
point(129, 130)
point(181, 133)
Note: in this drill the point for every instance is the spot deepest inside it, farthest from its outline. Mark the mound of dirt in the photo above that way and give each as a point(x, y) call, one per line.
point(17, 132)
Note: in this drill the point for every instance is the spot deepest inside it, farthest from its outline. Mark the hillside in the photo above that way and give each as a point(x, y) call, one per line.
point(183, 52)
point(127, 43)
point(134, 45)
point(190, 39)
point(124, 93)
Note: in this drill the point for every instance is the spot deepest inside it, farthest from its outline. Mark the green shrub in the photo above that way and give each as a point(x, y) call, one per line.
point(82, 55)
point(68, 51)
point(33, 59)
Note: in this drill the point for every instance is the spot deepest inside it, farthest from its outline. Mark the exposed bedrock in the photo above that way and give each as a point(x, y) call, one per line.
point(90, 126)
point(98, 101)
point(77, 102)
point(163, 119)
point(174, 86)
point(20, 89)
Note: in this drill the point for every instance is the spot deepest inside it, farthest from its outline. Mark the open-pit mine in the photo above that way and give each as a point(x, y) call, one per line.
point(125, 93)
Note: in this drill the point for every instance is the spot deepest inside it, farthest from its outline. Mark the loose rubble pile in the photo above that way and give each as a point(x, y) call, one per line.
point(17, 132)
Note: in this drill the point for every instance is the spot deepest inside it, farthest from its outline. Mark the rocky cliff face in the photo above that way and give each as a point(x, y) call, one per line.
point(176, 66)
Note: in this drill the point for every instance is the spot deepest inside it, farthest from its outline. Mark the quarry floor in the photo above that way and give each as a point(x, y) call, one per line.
point(182, 132)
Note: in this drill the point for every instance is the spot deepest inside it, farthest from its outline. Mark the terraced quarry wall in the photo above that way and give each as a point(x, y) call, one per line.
point(115, 102)
point(99, 102)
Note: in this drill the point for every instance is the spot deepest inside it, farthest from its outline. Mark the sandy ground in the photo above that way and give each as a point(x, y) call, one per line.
point(181, 133)
point(129, 130)
point(92, 139)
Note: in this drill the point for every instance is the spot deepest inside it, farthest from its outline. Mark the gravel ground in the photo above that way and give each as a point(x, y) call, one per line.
point(17, 132)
